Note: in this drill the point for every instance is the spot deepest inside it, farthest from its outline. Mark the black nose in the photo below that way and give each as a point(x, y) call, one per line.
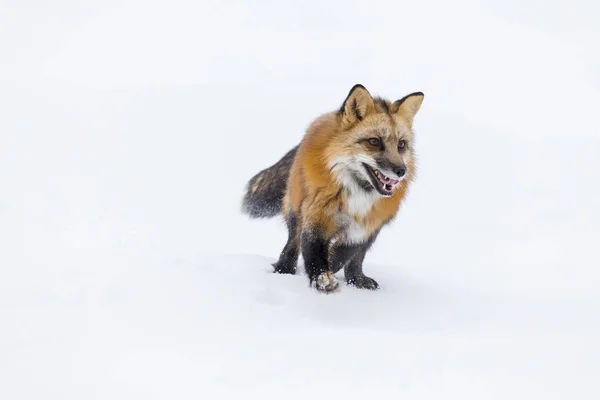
point(400, 171)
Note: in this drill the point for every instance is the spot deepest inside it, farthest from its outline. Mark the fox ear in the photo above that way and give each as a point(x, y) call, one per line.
point(408, 106)
point(357, 105)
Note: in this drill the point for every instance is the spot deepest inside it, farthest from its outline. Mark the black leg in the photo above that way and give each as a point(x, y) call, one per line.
point(288, 259)
point(340, 255)
point(314, 252)
point(353, 269)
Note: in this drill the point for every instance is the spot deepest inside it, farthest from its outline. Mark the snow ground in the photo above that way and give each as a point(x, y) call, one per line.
point(129, 129)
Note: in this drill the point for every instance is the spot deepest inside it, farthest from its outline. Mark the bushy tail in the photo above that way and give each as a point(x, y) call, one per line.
point(265, 191)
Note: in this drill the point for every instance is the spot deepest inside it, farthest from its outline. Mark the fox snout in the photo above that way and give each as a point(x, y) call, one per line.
point(398, 169)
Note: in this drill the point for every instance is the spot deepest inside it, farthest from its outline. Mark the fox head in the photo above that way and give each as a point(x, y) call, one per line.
point(372, 149)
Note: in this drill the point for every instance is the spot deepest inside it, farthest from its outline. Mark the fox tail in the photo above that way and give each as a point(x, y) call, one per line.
point(265, 191)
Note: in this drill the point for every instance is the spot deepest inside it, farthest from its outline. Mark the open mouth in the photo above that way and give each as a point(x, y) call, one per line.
point(384, 184)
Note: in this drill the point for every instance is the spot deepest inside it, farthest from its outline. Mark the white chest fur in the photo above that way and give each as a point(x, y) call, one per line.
point(360, 202)
point(351, 232)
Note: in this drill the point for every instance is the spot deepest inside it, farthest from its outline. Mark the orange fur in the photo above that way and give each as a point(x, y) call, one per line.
point(313, 192)
point(343, 182)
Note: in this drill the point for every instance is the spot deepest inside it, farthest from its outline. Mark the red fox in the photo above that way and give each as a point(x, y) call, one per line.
point(340, 186)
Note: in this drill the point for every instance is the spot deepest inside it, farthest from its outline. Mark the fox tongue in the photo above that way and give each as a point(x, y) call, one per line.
point(382, 178)
point(388, 183)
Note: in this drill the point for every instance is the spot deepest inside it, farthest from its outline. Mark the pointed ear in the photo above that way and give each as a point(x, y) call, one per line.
point(408, 106)
point(357, 105)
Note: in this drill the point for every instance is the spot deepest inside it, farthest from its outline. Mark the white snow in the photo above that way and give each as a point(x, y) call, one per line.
point(128, 130)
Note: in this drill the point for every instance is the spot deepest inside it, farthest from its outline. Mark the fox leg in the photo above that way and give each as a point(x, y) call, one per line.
point(341, 254)
point(314, 252)
point(353, 269)
point(288, 259)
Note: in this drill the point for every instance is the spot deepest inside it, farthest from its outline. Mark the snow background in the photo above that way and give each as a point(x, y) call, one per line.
point(128, 130)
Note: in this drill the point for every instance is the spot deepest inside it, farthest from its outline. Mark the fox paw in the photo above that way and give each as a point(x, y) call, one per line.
point(280, 268)
point(363, 282)
point(326, 282)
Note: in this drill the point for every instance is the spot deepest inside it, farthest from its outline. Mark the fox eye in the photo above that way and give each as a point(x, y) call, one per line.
point(375, 142)
point(401, 144)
